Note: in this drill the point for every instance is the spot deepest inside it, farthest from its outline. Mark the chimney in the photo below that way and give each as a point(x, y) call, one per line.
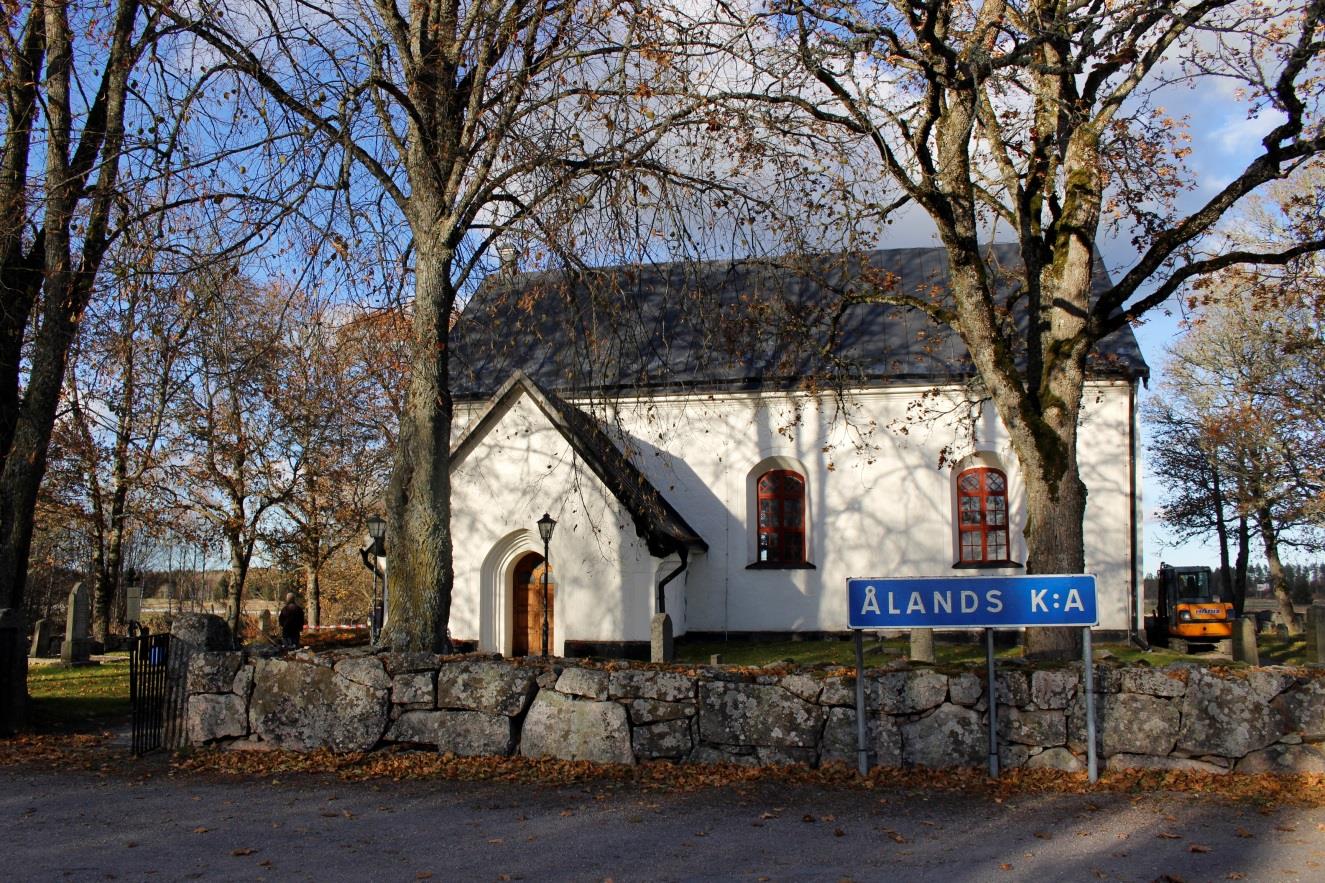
point(506, 257)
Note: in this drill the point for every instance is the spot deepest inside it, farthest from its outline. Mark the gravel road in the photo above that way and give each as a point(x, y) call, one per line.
point(62, 825)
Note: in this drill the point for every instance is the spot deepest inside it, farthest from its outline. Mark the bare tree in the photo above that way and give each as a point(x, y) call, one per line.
point(231, 445)
point(123, 384)
point(333, 411)
point(1238, 374)
point(1199, 497)
point(1037, 120)
point(461, 120)
point(67, 89)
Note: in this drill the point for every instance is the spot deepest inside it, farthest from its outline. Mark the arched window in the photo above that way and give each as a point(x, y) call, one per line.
point(982, 515)
point(781, 508)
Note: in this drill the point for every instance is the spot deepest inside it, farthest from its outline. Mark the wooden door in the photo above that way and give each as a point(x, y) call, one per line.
point(527, 607)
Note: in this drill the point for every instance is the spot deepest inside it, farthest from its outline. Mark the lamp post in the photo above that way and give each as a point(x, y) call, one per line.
point(545, 526)
point(377, 531)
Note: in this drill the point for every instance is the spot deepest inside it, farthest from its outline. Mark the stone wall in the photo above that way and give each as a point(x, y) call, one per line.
point(1180, 717)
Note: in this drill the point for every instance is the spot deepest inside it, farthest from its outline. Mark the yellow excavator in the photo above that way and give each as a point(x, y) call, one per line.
point(1189, 611)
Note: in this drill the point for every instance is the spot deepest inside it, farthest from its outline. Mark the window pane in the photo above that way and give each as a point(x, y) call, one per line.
point(768, 513)
point(792, 485)
point(971, 546)
point(791, 513)
point(997, 511)
point(970, 510)
point(994, 482)
point(998, 545)
point(969, 482)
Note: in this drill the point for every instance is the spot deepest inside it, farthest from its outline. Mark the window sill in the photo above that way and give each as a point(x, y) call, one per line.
point(987, 565)
point(780, 565)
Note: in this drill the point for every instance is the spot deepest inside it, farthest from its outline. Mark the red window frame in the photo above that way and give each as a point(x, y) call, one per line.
point(780, 514)
point(982, 516)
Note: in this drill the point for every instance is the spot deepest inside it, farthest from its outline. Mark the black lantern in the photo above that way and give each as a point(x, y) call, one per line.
point(546, 524)
point(377, 530)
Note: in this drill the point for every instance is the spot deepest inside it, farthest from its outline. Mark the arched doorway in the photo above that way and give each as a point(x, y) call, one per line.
point(527, 606)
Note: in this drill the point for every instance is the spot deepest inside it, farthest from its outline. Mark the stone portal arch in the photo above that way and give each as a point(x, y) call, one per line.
point(496, 580)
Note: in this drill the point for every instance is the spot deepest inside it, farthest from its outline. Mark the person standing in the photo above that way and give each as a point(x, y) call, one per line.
point(292, 621)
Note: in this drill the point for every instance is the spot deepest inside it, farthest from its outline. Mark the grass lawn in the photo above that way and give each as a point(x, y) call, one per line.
point(71, 697)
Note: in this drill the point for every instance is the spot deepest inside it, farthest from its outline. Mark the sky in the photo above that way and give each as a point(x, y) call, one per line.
point(1224, 139)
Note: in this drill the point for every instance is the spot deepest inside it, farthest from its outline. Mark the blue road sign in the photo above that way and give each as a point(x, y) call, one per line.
point(971, 602)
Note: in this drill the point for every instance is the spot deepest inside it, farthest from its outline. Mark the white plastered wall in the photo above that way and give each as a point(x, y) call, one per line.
point(521, 468)
point(878, 501)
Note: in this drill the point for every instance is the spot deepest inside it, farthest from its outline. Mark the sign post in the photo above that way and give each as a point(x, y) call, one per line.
point(987, 602)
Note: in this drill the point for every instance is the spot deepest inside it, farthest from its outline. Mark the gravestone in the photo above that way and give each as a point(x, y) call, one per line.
point(41, 639)
point(661, 647)
point(77, 647)
point(133, 604)
point(922, 645)
point(1316, 618)
point(1244, 641)
point(264, 622)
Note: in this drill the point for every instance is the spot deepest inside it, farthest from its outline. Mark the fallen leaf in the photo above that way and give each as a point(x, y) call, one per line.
point(1235, 875)
point(130, 845)
point(243, 850)
point(1244, 833)
point(1198, 848)
point(200, 830)
point(838, 832)
point(423, 875)
point(1044, 835)
point(1168, 835)
point(1005, 867)
point(807, 818)
point(495, 840)
point(1286, 828)
point(896, 838)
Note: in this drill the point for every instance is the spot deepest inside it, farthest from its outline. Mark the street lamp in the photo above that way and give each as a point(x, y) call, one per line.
point(377, 532)
point(545, 526)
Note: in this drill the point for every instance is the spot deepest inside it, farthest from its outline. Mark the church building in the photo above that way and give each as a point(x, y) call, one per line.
point(732, 441)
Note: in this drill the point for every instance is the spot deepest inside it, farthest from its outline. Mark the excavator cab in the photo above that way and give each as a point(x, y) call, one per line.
point(1190, 611)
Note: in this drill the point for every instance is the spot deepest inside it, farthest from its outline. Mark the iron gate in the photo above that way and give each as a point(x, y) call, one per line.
point(149, 660)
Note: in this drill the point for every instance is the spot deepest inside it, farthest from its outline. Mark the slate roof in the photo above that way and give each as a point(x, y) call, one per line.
point(729, 324)
point(660, 526)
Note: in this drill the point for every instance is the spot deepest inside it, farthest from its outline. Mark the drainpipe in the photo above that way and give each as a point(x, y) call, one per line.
point(1135, 632)
point(684, 553)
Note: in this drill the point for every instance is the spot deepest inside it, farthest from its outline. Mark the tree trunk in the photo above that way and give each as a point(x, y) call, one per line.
point(313, 594)
point(1243, 559)
point(238, 572)
point(1221, 530)
point(1055, 541)
point(419, 496)
point(1271, 542)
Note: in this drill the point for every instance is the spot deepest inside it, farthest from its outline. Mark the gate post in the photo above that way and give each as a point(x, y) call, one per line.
point(13, 668)
point(189, 633)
